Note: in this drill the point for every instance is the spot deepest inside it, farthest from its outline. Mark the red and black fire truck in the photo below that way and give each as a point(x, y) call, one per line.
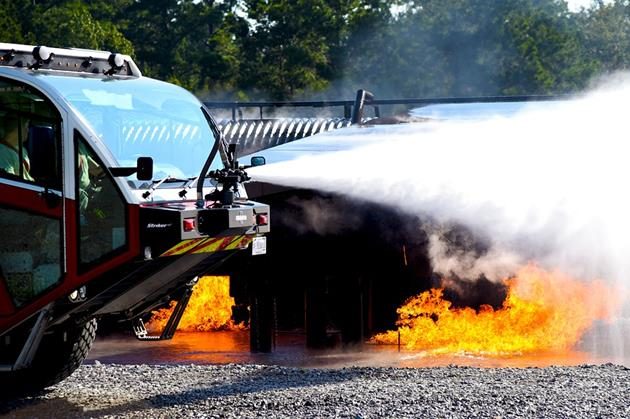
point(117, 192)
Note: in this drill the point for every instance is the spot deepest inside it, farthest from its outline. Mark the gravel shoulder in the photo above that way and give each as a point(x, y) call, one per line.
point(248, 391)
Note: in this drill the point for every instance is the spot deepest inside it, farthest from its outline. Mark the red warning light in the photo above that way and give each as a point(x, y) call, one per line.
point(189, 224)
point(262, 219)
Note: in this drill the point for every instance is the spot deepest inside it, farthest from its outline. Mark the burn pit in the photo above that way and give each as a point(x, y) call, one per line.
point(339, 272)
point(543, 312)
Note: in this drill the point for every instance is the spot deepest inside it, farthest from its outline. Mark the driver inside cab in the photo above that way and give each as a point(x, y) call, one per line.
point(88, 170)
point(10, 145)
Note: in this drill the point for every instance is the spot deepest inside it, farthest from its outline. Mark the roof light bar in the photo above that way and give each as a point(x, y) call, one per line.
point(44, 58)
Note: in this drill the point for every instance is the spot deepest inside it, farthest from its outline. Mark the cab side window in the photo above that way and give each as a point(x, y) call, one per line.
point(101, 208)
point(29, 135)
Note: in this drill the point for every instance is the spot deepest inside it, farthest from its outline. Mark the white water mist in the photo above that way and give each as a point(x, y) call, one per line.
point(548, 184)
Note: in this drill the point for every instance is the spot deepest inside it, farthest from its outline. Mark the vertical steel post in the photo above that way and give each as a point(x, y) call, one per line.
point(363, 97)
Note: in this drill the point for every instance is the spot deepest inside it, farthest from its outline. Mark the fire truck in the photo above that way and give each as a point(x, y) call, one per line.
point(117, 191)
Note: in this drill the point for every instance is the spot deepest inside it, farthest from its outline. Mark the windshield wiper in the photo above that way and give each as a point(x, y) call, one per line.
point(193, 182)
point(148, 193)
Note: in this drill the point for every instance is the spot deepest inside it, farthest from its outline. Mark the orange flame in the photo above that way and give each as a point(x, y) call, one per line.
point(543, 312)
point(209, 308)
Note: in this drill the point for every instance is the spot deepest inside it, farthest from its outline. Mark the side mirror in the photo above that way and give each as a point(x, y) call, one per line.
point(257, 161)
point(144, 169)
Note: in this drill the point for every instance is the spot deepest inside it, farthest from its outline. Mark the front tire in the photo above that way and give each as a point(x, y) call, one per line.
point(60, 353)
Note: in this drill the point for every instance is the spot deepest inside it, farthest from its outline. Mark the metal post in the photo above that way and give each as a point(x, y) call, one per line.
point(347, 111)
point(363, 97)
point(262, 323)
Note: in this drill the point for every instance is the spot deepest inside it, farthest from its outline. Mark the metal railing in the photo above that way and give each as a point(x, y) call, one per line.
point(366, 99)
point(264, 131)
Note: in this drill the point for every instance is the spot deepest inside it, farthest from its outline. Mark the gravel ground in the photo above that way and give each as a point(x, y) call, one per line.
point(234, 390)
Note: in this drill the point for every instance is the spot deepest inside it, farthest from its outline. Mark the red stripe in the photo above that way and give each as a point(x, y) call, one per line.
point(31, 201)
point(225, 243)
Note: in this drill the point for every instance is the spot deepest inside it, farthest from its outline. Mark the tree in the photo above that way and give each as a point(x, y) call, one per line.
point(10, 27)
point(188, 42)
point(431, 48)
point(605, 35)
point(208, 55)
point(17, 19)
point(541, 50)
point(373, 51)
point(474, 47)
point(291, 45)
point(284, 49)
point(63, 23)
point(153, 32)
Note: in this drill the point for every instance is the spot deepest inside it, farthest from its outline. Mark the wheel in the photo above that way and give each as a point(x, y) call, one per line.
point(60, 353)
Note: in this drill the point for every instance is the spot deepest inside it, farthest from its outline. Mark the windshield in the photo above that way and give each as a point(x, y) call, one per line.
point(143, 117)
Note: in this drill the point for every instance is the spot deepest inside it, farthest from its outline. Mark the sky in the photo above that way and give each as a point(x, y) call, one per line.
point(575, 5)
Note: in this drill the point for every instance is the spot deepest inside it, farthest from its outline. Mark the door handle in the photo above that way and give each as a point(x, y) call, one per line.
point(52, 199)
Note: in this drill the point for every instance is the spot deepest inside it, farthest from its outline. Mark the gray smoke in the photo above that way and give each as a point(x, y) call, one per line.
point(449, 260)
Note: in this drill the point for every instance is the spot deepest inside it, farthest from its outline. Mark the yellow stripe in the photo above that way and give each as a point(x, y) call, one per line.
point(209, 245)
point(182, 247)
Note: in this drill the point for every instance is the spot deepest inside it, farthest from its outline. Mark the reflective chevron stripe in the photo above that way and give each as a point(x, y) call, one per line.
point(209, 245)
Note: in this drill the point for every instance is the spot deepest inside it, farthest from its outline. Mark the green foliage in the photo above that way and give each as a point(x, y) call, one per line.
point(10, 27)
point(605, 35)
point(476, 47)
point(542, 50)
point(283, 49)
point(77, 28)
point(288, 49)
point(191, 43)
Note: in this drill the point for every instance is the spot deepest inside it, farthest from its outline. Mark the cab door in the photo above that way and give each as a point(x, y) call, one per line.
point(32, 262)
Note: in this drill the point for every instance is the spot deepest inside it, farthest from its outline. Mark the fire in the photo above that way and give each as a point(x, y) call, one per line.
point(209, 308)
point(543, 312)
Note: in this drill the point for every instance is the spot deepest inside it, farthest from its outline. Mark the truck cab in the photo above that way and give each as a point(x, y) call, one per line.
point(116, 192)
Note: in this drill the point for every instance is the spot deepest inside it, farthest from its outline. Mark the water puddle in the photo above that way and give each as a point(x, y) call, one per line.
point(227, 347)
